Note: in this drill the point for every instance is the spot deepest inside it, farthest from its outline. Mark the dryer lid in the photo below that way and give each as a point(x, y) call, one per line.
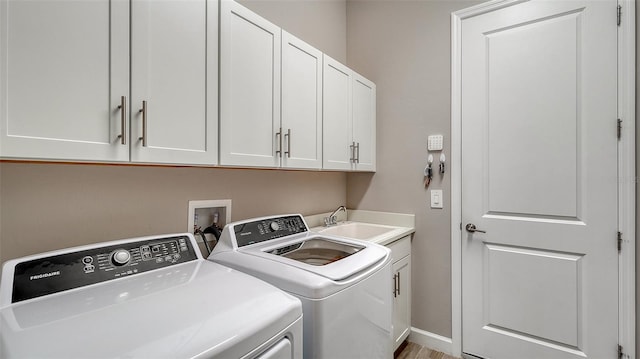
point(141, 297)
point(197, 309)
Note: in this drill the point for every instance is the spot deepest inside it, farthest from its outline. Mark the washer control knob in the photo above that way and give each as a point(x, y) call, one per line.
point(120, 257)
point(274, 226)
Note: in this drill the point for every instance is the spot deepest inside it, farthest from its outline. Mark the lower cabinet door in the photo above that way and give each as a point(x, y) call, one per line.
point(401, 300)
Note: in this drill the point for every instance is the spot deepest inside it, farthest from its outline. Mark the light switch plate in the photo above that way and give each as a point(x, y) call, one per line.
point(436, 198)
point(434, 142)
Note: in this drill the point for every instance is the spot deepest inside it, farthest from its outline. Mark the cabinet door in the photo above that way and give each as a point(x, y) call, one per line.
point(401, 300)
point(364, 123)
point(174, 72)
point(301, 103)
point(249, 88)
point(64, 66)
point(337, 149)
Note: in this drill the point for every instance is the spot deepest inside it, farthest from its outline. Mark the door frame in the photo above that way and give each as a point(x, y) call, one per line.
point(626, 171)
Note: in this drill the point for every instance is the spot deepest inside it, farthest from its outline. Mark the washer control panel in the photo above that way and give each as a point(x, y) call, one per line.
point(265, 229)
point(73, 269)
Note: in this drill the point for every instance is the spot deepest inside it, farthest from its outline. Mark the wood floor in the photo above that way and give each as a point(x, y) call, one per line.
point(409, 350)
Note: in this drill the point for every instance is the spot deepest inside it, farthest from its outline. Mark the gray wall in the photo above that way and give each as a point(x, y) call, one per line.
point(50, 206)
point(321, 23)
point(47, 206)
point(404, 47)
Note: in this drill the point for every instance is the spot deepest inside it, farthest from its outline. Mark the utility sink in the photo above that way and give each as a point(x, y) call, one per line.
point(357, 230)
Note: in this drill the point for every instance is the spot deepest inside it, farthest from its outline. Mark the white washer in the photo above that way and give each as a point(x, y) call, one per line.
point(149, 297)
point(344, 285)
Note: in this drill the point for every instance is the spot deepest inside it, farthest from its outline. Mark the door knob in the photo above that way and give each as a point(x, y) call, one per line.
point(471, 228)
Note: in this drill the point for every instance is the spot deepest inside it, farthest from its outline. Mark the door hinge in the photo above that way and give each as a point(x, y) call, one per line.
point(619, 128)
point(619, 14)
point(619, 241)
point(620, 352)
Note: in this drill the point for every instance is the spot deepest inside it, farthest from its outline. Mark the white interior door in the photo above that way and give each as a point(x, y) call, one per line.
point(539, 153)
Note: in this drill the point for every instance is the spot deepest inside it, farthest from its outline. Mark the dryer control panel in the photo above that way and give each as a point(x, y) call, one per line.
point(69, 269)
point(265, 229)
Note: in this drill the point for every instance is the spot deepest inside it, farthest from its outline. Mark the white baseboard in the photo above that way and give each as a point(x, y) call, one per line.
point(431, 340)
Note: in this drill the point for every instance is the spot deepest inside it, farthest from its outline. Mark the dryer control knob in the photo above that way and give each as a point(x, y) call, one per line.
point(120, 257)
point(274, 226)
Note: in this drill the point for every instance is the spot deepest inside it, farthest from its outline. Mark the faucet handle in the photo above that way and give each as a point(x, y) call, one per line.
point(330, 221)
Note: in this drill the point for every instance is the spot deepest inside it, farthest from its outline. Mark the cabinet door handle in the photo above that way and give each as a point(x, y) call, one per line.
point(358, 152)
point(123, 119)
point(279, 143)
point(143, 111)
point(395, 285)
point(353, 152)
point(398, 283)
point(288, 136)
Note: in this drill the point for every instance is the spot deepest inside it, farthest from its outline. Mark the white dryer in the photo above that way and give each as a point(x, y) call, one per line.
point(149, 297)
point(344, 284)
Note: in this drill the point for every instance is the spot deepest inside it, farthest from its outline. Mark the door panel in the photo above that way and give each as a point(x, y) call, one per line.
point(401, 301)
point(169, 72)
point(249, 88)
point(301, 103)
point(533, 117)
point(63, 69)
point(364, 123)
point(337, 116)
point(539, 176)
point(553, 277)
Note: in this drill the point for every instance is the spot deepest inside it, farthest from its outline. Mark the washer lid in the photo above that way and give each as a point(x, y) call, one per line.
point(195, 309)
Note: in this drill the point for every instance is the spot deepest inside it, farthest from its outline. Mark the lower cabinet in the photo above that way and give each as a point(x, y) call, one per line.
point(401, 257)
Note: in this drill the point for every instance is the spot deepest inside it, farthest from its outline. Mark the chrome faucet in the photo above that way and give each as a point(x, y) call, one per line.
point(333, 219)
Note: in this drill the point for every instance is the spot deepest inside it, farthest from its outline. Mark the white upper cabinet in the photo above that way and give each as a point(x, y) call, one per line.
point(64, 67)
point(144, 81)
point(349, 119)
point(270, 94)
point(301, 104)
point(364, 123)
point(337, 126)
point(173, 95)
point(249, 88)
point(65, 80)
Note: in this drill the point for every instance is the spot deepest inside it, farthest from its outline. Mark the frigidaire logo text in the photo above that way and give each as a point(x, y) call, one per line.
point(44, 275)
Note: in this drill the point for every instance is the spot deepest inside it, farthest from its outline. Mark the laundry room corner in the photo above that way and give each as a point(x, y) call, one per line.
point(413, 103)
